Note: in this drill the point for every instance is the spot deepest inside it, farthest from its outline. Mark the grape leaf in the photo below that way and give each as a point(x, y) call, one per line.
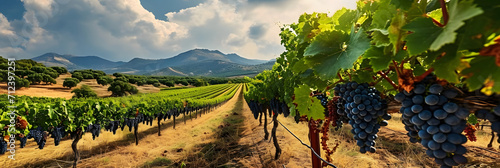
point(445, 66)
point(427, 35)
point(378, 59)
point(327, 60)
point(482, 70)
point(424, 34)
point(404, 4)
point(396, 34)
point(380, 39)
point(308, 105)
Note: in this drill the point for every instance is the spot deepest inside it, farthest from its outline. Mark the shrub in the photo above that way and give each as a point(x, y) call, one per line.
point(70, 82)
point(121, 88)
point(84, 92)
point(104, 80)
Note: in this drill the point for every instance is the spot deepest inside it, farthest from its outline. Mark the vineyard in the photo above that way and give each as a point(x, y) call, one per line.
point(40, 117)
point(388, 84)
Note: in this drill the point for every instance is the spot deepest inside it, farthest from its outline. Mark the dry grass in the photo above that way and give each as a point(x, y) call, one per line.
point(58, 91)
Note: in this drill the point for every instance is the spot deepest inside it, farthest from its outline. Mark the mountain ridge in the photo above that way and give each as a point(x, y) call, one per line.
point(199, 60)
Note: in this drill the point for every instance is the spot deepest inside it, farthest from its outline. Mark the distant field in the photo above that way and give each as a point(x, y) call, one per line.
point(57, 90)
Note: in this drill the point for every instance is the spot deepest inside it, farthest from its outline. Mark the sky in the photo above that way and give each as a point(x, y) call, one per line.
point(120, 30)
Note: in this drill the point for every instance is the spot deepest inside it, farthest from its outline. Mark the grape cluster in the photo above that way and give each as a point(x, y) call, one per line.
point(255, 108)
point(95, 129)
point(23, 141)
point(131, 123)
point(332, 113)
point(3, 146)
point(431, 118)
point(279, 107)
point(39, 136)
point(57, 134)
point(493, 116)
point(112, 126)
point(366, 111)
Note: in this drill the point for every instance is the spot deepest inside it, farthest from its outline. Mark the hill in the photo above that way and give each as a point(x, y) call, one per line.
point(187, 58)
point(198, 62)
point(215, 68)
point(76, 62)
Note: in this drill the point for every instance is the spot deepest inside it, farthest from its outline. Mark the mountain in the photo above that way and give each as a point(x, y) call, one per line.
point(216, 68)
point(199, 62)
point(186, 58)
point(76, 62)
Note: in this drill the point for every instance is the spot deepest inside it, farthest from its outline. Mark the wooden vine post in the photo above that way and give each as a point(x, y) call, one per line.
point(273, 135)
point(266, 133)
point(136, 127)
point(159, 134)
point(314, 138)
point(78, 136)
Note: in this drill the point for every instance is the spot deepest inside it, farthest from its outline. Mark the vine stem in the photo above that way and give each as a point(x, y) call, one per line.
point(445, 12)
point(396, 67)
point(388, 79)
point(421, 77)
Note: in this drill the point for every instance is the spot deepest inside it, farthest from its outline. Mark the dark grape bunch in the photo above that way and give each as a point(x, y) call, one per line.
point(255, 108)
point(279, 107)
point(39, 136)
point(23, 141)
point(112, 126)
point(57, 134)
point(493, 116)
point(433, 119)
point(3, 146)
point(131, 123)
point(366, 111)
point(95, 129)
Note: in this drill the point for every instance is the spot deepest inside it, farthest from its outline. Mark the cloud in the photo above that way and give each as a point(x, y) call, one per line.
point(124, 29)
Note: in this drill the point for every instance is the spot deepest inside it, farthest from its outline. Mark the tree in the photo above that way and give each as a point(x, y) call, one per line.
point(152, 81)
point(70, 82)
point(121, 88)
point(121, 78)
point(48, 79)
point(60, 70)
point(35, 78)
point(77, 75)
point(21, 82)
point(84, 92)
point(168, 83)
point(182, 82)
point(157, 84)
point(104, 80)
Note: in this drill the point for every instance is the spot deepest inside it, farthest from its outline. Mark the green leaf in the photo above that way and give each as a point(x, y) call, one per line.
point(378, 59)
point(426, 35)
point(481, 70)
point(472, 119)
point(396, 34)
point(326, 43)
point(50, 112)
point(346, 20)
point(380, 39)
point(404, 4)
point(458, 14)
point(308, 105)
point(327, 66)
point(383, 15)
point(445, 66)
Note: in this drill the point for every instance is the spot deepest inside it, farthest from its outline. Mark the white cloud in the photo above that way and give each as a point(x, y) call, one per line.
point(123, 29)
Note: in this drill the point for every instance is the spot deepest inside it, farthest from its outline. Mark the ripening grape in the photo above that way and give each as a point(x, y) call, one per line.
point(366, 112)
point(432, 118)
point(3, 146)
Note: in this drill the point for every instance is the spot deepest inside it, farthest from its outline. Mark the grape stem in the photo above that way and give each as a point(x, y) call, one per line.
point(421, 77)
point(445, 12)
point(396, 67)
point(388, 79)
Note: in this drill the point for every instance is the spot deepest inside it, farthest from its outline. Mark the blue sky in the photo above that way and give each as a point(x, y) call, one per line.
point(120, 30)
